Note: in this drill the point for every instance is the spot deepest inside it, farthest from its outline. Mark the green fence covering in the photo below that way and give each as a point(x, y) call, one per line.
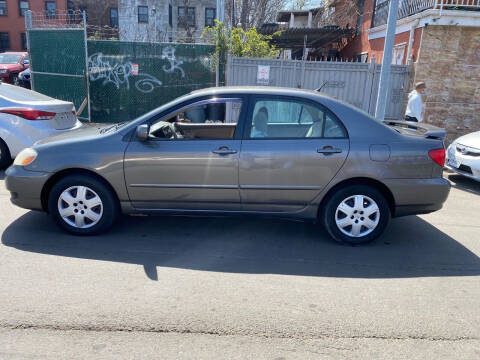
point(128, 79)
point(59, 66)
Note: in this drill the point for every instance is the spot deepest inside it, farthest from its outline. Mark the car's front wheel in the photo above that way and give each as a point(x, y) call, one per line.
point(356, 214)
point(83, 205)
point(5, 157)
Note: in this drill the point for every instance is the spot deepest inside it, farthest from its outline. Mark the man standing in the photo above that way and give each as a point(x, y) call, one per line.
point(415, 106)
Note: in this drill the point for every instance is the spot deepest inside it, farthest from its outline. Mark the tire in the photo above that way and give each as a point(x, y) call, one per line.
point(357, 222)
point(5, 157)
point(14, 79)
point(78, 197)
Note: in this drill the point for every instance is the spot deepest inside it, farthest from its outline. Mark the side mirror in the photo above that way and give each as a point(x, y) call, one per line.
point(142, 132)
point(26, 62)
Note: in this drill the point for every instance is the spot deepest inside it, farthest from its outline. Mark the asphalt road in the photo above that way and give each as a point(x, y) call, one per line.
point(241, 288)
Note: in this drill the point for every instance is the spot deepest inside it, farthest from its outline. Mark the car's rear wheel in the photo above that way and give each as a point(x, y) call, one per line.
point(83, 205)
point(14, 79)
point(5, 157)
point(356, 214)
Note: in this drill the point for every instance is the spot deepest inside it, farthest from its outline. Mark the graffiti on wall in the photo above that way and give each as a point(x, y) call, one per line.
point(119, 74)
point(168, 53)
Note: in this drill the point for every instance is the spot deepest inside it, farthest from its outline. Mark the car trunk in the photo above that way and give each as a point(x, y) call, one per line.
point(17, 97)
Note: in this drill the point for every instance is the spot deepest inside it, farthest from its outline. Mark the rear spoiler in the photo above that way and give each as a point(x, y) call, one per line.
point(429, 131)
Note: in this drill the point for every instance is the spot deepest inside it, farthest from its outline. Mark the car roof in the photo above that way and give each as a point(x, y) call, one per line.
point(267, 90)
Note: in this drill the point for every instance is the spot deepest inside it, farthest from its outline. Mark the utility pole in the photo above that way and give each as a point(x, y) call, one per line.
point(387, 61)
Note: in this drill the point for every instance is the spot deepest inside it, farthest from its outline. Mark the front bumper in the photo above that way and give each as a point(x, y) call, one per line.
point(463, 164)
point(25, 187)
point(418, 196)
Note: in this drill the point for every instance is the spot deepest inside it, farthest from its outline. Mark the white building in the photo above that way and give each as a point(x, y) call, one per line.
point(164, 20)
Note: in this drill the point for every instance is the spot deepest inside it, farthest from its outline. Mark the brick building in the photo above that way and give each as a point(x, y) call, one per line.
point(165, 20)
point(12, 20)
point(102, 16)
point(442, 40)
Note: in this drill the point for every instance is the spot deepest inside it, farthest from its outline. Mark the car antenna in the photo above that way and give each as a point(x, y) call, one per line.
point(321, 87)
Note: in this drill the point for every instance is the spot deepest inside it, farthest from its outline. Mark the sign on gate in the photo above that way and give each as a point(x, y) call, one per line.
point(263, 74)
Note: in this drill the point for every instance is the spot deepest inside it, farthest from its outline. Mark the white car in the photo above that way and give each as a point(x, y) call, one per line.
point(463, 156)
point(27, 116)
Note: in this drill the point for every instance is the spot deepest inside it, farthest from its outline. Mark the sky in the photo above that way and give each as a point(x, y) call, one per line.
point(310, 4)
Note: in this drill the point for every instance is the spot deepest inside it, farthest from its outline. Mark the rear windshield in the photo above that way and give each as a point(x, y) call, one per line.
point(9, 59)
point(16, 93)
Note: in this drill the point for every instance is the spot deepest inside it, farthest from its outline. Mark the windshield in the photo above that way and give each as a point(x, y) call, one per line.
point(9, 59)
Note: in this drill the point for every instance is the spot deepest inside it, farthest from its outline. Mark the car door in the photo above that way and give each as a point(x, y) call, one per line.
point(290, 151)
point(190, 160)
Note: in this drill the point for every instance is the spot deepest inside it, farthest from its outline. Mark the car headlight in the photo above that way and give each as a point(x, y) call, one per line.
point(3, 71)
point(25, 157)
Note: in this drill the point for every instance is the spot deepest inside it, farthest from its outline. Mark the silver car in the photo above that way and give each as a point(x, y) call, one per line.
point(238, 150)
point(27, 116)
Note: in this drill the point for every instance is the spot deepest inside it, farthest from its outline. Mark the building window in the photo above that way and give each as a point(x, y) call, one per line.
point(50, 9)
point(143, 14)
point(4, 41)
point(398, 54)
point(113, 17)
point(209, 17)
point(82, 9)
point(22, 7)
point(23, 36)
point(170, 15)
point(70, 11)
point(3, 7)
point(188, 18)
point(363, 57)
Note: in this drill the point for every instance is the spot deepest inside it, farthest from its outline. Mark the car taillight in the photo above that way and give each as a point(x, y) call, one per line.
point(438, 155)
point(29, 114)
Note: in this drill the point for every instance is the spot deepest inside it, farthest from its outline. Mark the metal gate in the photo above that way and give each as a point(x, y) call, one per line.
point(354, 83)
point(57, 44)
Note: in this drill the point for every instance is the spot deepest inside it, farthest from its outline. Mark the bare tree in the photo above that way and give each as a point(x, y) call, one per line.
point(344, 14)
point(252, 13)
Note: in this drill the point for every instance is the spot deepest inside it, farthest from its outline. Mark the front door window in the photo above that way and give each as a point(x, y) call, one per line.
point(207, 119)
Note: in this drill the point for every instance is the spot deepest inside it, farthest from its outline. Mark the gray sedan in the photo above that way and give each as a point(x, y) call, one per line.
point(244, 150)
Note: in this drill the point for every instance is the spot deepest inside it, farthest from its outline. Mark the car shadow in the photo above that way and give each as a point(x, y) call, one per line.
point(410, 247)
point(464, 183)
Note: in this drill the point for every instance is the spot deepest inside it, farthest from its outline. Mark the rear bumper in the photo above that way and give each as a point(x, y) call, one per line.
point(25, 187)
point(418, 196)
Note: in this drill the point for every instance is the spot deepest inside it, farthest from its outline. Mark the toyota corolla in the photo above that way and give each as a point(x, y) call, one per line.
point(244, 150)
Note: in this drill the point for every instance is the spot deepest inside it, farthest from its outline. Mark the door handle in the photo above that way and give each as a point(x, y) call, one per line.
point(327, 150)
point(224, 150)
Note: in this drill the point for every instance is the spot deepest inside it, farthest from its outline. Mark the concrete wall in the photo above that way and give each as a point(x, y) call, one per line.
point(449, 63)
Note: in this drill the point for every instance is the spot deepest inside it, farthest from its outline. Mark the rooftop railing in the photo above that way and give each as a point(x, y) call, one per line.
point(411, 7)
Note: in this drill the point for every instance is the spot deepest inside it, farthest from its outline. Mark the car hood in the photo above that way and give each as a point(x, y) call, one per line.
point(83, 132)
point(470, 140)
point(9, 66)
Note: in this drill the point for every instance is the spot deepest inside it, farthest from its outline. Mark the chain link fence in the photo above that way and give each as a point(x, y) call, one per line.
point(110, 80)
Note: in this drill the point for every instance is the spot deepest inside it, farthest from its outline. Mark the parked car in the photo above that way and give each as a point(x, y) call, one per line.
point(11, 64)
point(27, 116)
point(463, 156)
point(237, 150)
point(24, 79)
